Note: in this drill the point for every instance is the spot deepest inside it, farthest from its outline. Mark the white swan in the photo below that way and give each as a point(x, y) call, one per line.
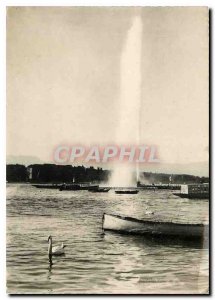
point(57, 250)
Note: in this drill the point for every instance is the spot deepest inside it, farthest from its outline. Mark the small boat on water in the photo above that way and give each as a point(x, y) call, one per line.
point(47, 185)
point(99, 190)
point(126, 191)
point(66, 186)
point(77, 187)
point(130, 225)
point(194, 191)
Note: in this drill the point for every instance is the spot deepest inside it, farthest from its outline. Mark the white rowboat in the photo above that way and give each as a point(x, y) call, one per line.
point(135, 226)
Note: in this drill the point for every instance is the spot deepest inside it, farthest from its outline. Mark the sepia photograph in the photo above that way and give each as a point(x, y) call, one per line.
point(107, 150)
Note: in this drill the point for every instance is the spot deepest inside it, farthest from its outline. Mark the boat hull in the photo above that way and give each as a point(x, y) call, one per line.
point(77, 187)
point(47, 186)
point(193, 195)
point(145, 227)
point(99, 190)
point(127, 192)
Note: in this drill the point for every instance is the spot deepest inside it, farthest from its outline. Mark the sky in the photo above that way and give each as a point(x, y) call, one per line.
point(64, 79)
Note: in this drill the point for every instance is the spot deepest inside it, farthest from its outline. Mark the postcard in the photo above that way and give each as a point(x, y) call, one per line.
point(107, 150)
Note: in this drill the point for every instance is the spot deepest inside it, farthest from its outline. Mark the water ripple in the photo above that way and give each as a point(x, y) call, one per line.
point(99, 264)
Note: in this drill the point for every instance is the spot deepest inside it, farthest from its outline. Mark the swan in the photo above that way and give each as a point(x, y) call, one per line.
point(57, 250)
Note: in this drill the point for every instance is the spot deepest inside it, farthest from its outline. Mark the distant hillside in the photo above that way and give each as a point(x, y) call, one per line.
point(23, 160)
point(156, 178)
point(196, 169)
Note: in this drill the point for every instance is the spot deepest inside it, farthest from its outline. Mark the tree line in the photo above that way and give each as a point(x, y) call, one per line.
point(51, 173)
point(47, 173)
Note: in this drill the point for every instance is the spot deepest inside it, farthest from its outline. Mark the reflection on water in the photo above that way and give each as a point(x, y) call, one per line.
point(50, 267)
point(97, 263)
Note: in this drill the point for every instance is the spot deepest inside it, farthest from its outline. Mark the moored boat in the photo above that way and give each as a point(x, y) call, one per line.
point(130, 225)
point(126, 191)
point(77, 187)
point(99, 190)
point(47, 185)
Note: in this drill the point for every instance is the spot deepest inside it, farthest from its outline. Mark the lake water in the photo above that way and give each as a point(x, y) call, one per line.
point(96, 264)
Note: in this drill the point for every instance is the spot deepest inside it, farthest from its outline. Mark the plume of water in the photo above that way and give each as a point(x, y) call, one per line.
point(128, 129)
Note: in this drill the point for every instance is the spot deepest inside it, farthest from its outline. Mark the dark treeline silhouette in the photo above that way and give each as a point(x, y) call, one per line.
point(173, 178)
point(16, 173)
point(50, 173)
